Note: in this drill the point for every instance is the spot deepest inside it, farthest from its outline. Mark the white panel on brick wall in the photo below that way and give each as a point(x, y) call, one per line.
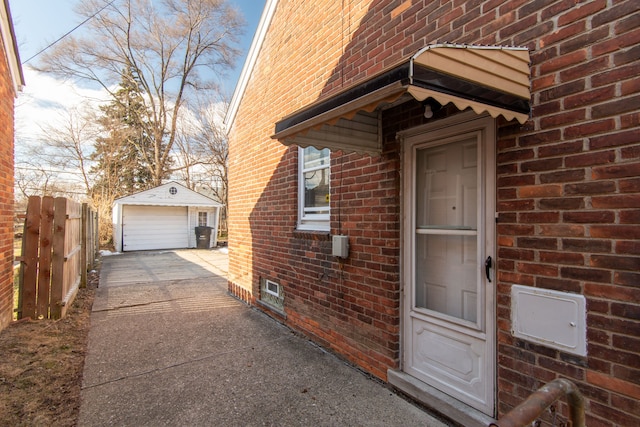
point(551, 318)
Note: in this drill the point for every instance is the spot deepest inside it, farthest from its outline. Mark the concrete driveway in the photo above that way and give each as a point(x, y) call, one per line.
point(168, 346)
point(158, 266)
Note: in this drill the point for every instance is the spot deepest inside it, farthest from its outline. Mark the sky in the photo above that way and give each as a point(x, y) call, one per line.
point(44, 100)
point(40, 22)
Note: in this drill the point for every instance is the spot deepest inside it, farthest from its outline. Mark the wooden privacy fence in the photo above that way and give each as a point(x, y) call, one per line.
point(59, 246)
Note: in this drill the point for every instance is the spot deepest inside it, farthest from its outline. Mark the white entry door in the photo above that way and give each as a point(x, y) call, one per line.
point(449, 326)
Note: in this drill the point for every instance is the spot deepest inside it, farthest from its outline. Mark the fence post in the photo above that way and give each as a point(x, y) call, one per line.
point(84, 246)
point(96, 233)
point(57, 269)
point(44, 259)
point(29, 264)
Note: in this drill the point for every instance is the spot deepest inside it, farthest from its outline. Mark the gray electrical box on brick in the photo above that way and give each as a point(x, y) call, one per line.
point(341, 246)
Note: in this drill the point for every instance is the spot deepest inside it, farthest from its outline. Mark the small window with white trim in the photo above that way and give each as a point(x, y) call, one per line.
point(202, 219)
point(272, 294)
point(313, 188)
point(272, 288)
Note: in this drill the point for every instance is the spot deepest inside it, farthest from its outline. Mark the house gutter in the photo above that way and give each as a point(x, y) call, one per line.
point(11, 48)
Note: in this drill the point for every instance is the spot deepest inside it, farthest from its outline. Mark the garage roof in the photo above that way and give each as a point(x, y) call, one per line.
point(169, 194)
point(492, 79)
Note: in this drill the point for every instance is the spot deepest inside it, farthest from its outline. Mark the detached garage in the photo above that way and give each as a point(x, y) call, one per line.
point(164, 217)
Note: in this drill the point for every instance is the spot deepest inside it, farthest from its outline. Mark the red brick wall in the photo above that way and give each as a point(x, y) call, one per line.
point(7, 96)
point(568, 193)
point(568, 186)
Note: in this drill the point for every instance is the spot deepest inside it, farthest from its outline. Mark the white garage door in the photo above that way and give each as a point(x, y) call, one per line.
point(154, 227)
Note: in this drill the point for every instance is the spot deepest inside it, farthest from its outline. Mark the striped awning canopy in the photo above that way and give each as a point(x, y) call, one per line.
point(487, 79)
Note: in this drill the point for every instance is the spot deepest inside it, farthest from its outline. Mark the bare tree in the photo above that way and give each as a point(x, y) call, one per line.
point(202, 150)
point(69, 144)
point(187, 159)
point(173, 48)
point(212, 140)
point(31, 179)
point(56, 161)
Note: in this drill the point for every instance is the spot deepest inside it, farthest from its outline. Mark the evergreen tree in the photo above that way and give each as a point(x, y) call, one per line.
point(124, 153)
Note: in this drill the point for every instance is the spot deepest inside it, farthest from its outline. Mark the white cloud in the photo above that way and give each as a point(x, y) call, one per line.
point(44, 102)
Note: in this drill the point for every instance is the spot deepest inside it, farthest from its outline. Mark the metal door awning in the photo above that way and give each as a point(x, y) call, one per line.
point(491, 79)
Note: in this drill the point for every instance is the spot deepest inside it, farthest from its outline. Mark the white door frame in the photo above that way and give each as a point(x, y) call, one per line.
point(455, 125)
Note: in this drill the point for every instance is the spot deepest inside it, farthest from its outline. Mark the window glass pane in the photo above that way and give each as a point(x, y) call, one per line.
point(202, 219)
point(314, 158)
point(316, 189)
point(313, 180)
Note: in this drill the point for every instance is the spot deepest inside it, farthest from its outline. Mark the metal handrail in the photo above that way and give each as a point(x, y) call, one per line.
point(534, 405)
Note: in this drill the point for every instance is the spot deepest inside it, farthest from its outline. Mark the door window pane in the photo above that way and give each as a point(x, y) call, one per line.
point(446, 218)
point(447, 186)
point(446, 275)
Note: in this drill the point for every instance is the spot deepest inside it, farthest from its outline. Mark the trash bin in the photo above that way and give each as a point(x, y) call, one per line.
point(203, 237)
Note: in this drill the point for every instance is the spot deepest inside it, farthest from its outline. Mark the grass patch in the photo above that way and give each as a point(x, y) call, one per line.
point(41, 365)
point(17, 247)
point(16, 290)
point(17, 252)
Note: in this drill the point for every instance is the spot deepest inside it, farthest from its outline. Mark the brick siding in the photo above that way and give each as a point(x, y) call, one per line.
point(567, 184)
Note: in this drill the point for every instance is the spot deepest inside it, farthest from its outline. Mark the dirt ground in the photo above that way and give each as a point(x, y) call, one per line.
point(41, 365)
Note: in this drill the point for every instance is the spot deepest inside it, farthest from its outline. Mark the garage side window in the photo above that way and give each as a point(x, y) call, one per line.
point(313, 188)
point(202, 219)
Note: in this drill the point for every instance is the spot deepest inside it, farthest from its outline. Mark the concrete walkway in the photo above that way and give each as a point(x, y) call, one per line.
point(168, 346)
